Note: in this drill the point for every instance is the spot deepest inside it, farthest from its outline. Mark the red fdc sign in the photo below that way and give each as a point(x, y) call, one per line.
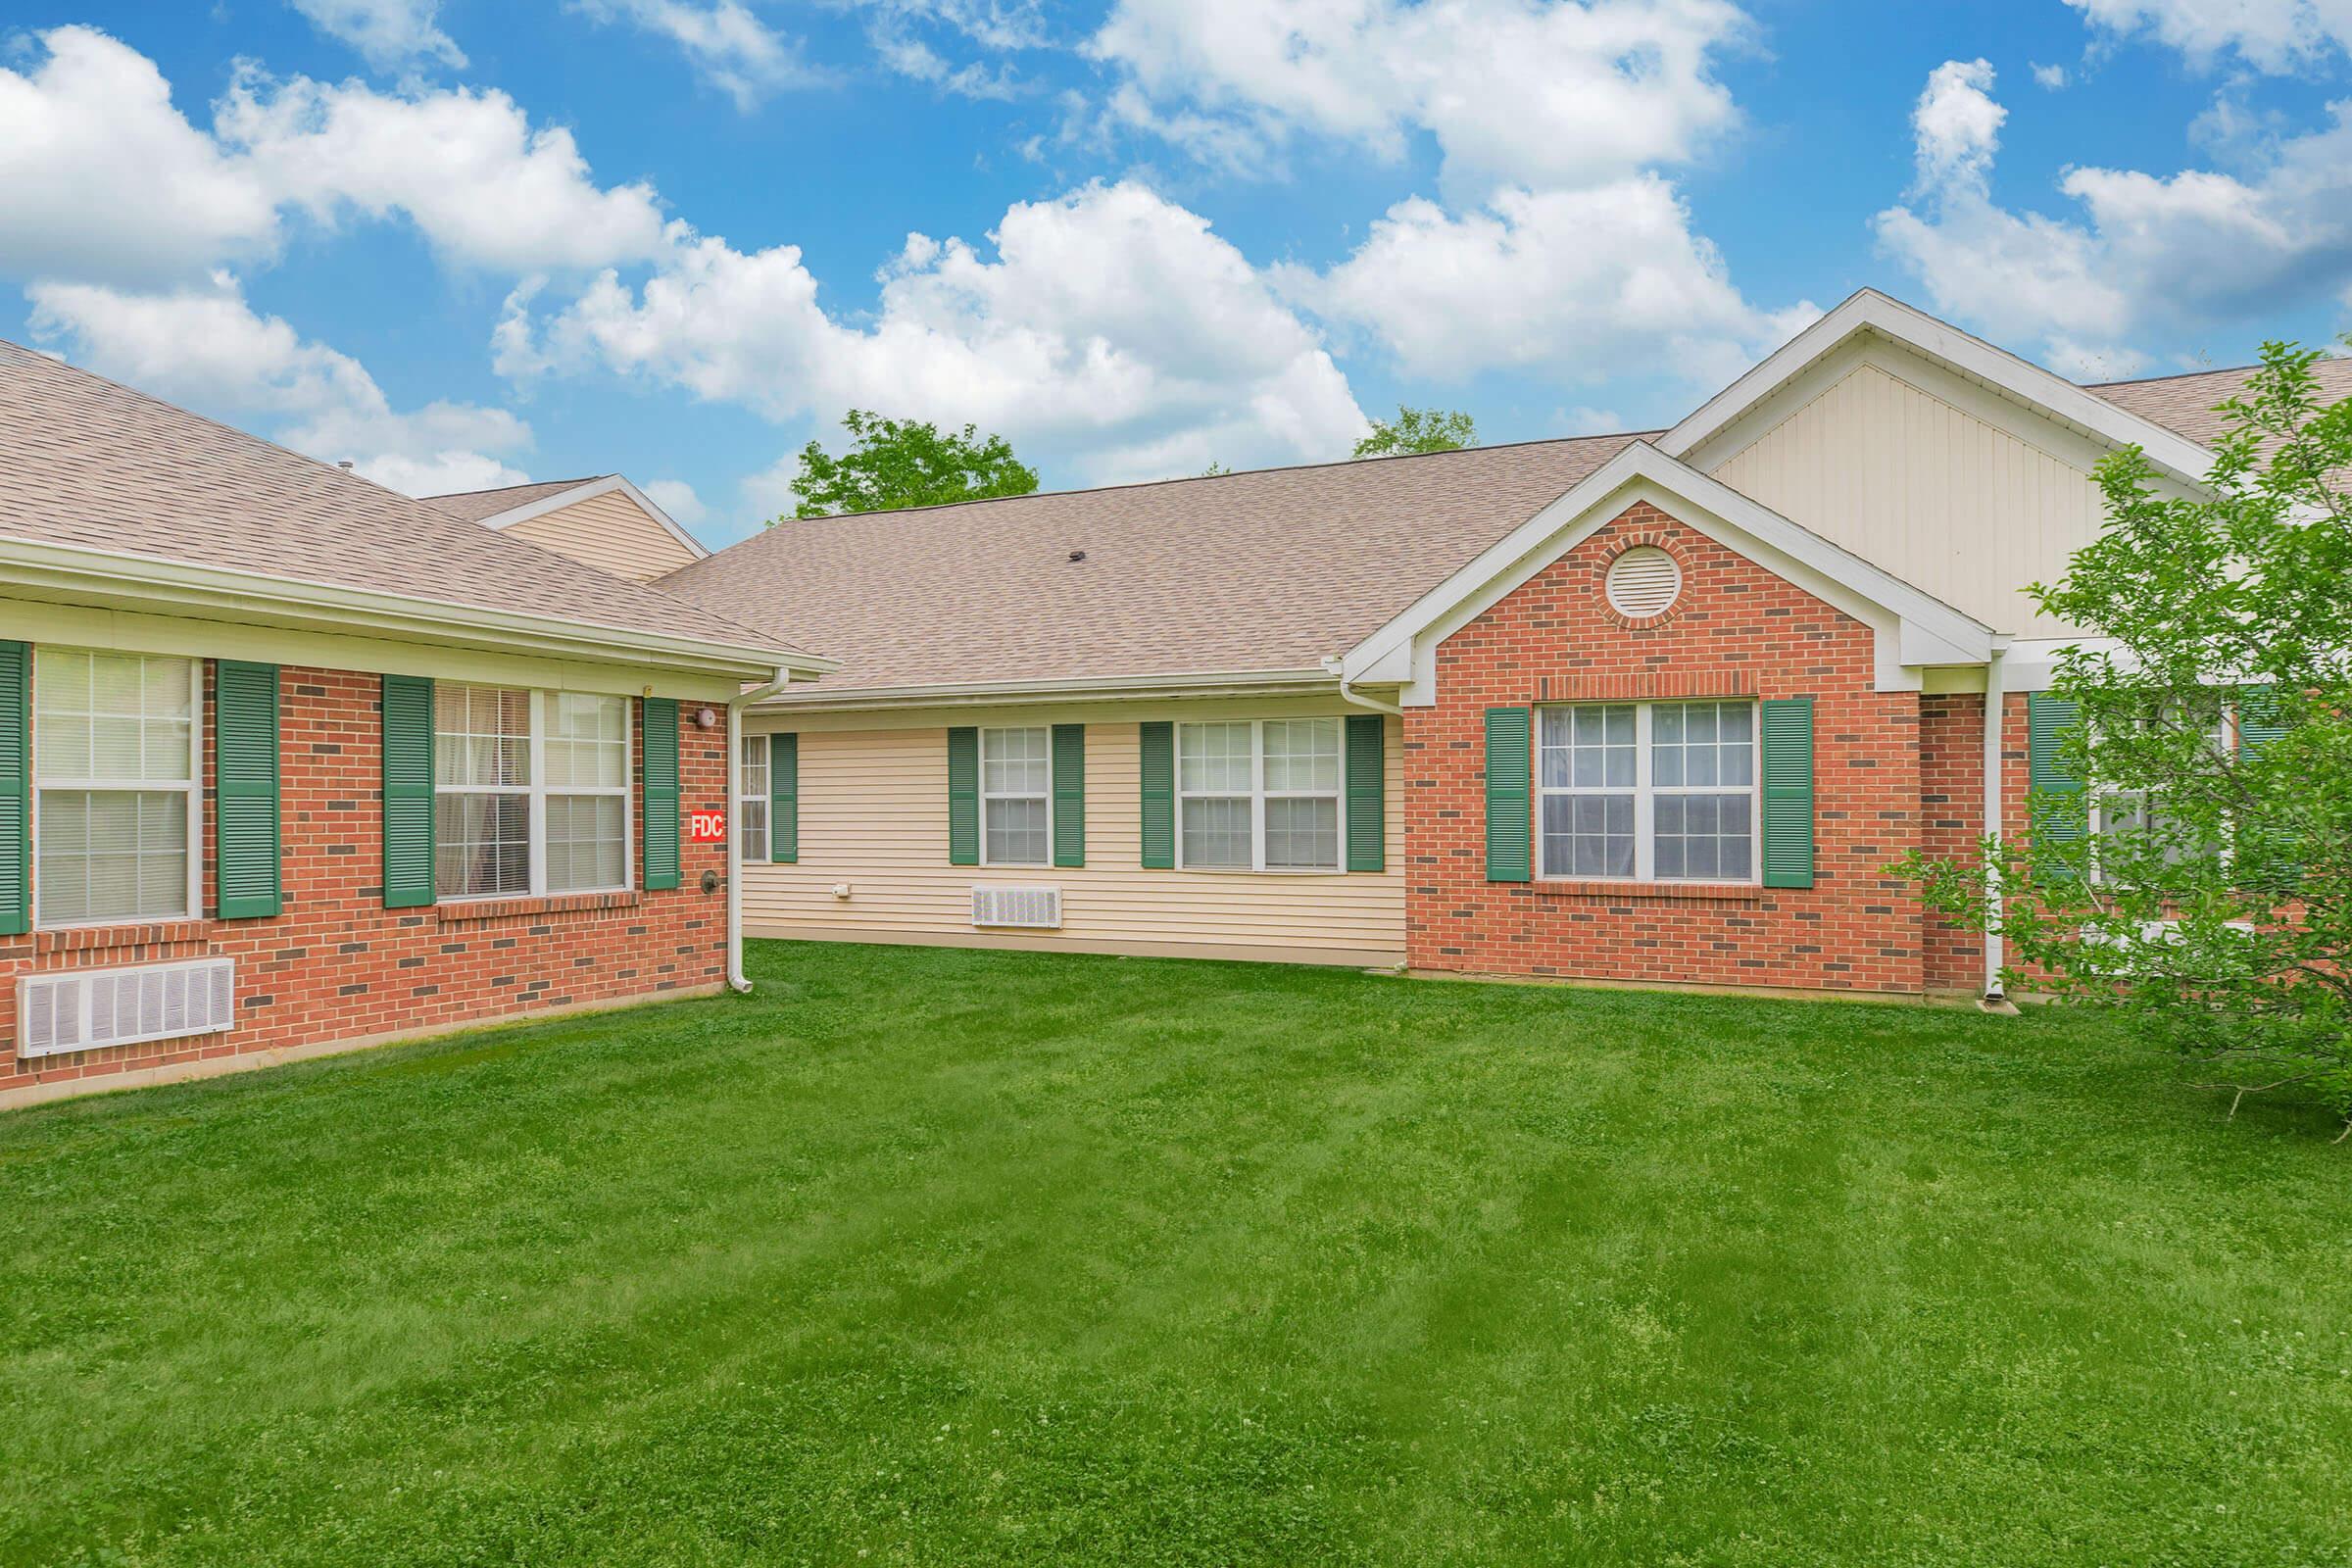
point(706, 827)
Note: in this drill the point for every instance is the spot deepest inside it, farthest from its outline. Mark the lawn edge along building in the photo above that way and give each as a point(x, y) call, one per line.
point(1658, 708)
point(291, 764)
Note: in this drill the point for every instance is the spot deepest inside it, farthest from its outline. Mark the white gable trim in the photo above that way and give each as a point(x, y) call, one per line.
point(1914, 629)
point(589, 490)
point(1707, 436)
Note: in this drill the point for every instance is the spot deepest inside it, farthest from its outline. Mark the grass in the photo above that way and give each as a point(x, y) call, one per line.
point(962, 1257)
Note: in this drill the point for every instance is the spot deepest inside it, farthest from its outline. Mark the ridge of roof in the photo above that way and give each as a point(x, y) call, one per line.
point(1208, 478)
point(1264, 569)
point(2326, 357)
point(527, 484)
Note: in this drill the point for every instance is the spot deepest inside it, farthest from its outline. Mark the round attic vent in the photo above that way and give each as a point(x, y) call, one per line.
point(1643, 582)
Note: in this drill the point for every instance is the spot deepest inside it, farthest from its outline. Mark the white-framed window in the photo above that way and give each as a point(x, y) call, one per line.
point(118, 796)
point(1259, 795)
point(1644, 792)
point(751, 805)
point(2141, 811)
point(530, 792)
point(1016, 796)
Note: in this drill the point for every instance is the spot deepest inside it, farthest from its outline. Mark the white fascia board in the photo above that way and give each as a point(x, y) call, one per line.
point(114, 579)
point(589, 491)
point(1913, 629)
point(1869, 311)
point(1315, 682)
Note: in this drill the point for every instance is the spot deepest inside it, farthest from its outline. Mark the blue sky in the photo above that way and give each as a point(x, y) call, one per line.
point(474, 241)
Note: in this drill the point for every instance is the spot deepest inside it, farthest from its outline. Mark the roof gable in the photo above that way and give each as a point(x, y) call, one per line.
point(1914, 629)
point(1740, 411)
point(525, 504)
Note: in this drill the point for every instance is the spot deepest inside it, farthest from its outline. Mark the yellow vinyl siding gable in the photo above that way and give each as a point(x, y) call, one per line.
point(610, 532)
point(1951, 503)
point(873, 815)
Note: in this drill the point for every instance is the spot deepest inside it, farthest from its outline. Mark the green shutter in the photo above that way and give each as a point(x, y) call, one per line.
point(2059, 816)
point(1508, 767)
point(1367, 793)
point(1159, 764)
point(16, 789)
point(661, 794)
point(964, 796)
point(1789, 792)
point(784, 799)
point(2267, 858)
point(408, 792)
point(246, 791)
point(1069, 795)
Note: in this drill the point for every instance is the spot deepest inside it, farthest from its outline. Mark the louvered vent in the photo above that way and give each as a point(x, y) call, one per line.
point(1026, 907)
point(86, 1009)
point(1643, 582)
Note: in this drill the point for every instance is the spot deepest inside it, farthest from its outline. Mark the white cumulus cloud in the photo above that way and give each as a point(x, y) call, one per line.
point(388, 32)
point(1110, 327)
point(677, 498)
point(483, 185)
point(1512, 91)
point(2140, 252)
point(1578, 283)
point(2273, 35)
point(467, 167)
point(728, 46)
point(207, 347)
point(91, 116)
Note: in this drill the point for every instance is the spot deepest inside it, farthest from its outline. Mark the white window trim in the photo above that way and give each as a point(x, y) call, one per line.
point(1259, 795)
point(538, 792)
point(1646, 794)
point(192, 789)
point(763, 798)
point(2225, 740)
point(987, 795)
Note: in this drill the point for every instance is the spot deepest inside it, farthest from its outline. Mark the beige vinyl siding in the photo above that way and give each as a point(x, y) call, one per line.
point(610, 532)
point(874, 816)
point(1943, 500)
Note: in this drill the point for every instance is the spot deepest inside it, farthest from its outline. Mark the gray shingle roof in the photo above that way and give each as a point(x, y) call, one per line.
point(2183, 404)
point(1270, 570)
point(87, 463)
point(1245, 572)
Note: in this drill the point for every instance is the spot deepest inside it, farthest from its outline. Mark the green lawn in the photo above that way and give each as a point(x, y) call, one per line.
point(962, 1258)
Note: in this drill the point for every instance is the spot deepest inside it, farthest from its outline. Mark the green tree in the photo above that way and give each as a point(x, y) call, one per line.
point(1418, 430)
point(2190, 865)
point(895, 463)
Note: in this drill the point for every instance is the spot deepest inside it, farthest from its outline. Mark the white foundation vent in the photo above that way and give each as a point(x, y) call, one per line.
point(88, 1010)
point(1022, 907)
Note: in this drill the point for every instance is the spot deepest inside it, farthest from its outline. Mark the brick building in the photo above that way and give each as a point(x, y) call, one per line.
point(1651, 708)
point(289, 763)
point(303, 763)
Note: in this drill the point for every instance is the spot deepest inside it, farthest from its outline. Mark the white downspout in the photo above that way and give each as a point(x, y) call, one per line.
point(1995, 705)
point(1348, 694)
point(736, 980)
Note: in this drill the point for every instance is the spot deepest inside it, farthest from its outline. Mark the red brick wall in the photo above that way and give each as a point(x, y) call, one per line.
point(1737, 631)
point(1951, 777)
point(338, 965)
